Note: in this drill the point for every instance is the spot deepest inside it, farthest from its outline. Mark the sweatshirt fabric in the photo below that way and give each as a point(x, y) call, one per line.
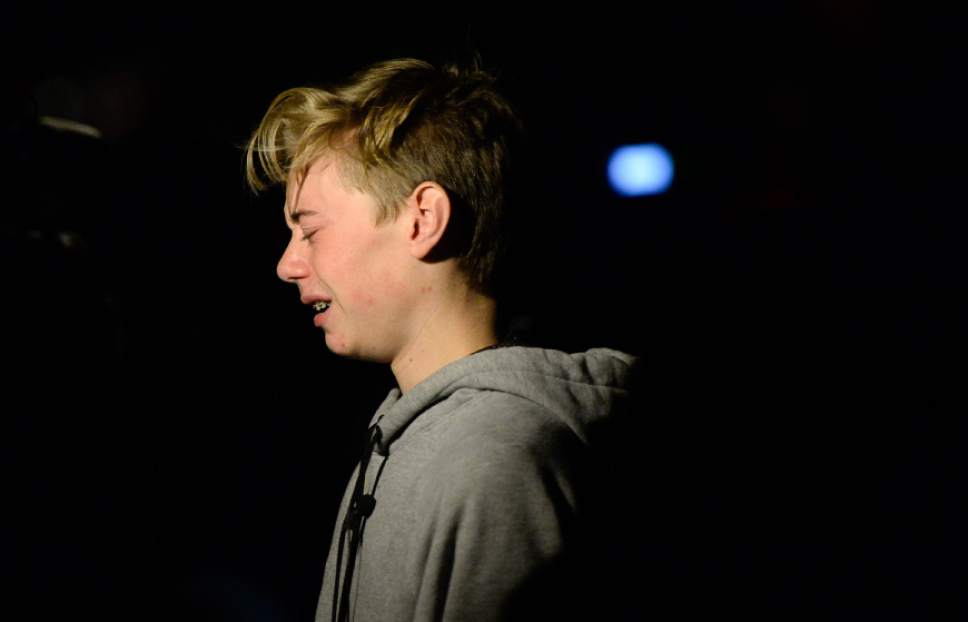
point(478, 483)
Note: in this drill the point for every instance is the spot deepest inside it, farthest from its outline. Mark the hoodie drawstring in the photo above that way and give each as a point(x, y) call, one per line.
point(361, 506)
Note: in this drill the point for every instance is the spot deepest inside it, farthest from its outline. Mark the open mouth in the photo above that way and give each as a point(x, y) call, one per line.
point(320, 306)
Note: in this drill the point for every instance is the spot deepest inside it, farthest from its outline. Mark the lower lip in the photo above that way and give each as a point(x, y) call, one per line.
point(319, 318)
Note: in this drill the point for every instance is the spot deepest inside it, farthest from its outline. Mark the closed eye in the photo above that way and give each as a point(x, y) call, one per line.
point(307, 236)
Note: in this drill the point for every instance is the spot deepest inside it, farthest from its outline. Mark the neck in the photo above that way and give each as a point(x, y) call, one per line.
point(457, 326)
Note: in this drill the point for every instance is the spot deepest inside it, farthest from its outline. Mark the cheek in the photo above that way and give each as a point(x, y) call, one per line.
point(370, 273)
point(375, 290)
point(362, 282)
point(394, 284)
point(386, 271)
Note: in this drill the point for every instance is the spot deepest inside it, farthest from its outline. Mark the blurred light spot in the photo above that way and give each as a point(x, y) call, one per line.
point(637, 170)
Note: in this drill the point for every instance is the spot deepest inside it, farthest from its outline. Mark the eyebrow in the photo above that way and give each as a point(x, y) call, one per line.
point(299, 213)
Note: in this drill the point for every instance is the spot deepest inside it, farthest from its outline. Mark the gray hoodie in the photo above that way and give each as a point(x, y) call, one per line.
point(477, 483)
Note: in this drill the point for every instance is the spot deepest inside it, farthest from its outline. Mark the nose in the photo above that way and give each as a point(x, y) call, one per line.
point(292, 265)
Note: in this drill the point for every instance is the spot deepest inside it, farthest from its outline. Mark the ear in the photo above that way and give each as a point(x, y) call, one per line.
point(429, 211)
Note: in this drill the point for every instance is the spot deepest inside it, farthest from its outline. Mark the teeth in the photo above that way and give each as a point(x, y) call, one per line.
point(320, 306)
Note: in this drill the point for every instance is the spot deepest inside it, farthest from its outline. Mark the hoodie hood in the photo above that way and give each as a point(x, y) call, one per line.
point(583, 388)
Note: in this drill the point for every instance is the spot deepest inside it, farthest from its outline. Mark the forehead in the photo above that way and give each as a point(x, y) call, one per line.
point(310, 195)
point(324, 192)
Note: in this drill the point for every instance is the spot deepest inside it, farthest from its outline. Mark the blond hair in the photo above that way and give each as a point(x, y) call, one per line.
point(393, 125)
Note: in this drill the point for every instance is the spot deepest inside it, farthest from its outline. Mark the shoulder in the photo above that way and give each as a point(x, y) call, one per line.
point(491, 422)
point(500, 445)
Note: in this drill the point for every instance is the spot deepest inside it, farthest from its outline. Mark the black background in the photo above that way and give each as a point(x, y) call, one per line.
point(177, 435)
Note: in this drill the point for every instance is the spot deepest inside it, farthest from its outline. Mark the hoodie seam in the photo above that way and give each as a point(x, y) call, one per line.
point(606, 385)
point(549, 413)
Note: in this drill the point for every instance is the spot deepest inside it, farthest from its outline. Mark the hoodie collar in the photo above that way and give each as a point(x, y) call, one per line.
point(585, 385)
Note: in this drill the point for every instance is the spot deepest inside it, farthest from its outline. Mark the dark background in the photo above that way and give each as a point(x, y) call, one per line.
point(177, 436)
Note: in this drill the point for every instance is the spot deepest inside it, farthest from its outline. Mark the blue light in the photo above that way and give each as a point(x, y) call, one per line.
point(637, 170)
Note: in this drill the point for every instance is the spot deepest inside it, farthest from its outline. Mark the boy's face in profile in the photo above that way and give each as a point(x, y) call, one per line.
point(337, 254)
